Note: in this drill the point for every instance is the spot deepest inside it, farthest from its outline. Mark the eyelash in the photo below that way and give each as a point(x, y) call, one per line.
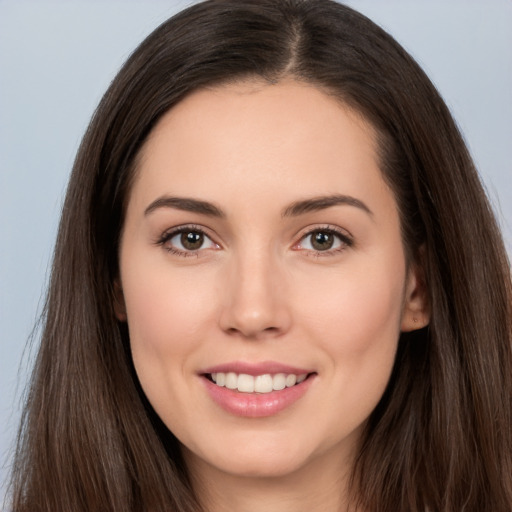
point(345, 240)
point(189, 228)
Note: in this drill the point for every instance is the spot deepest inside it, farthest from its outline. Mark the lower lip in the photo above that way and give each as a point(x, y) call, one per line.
point(256, 405)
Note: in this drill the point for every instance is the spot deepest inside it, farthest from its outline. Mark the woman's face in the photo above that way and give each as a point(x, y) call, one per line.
point(262, 250)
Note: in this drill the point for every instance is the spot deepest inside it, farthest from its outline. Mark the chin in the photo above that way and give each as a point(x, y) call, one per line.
point(252, 460)
point(261, 466)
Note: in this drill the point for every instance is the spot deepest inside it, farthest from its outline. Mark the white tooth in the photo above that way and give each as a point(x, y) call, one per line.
point(263, 383)
point(231, 380)
point(301, 378)
point(214, 377)
point(291, 380)
point(279, 381)
point(221, 379)
point(245, 383)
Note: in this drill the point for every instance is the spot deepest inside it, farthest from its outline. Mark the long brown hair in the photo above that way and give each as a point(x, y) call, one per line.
point(440, 438)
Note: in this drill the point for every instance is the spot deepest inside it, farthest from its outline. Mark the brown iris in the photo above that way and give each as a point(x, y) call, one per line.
point(192, 240)
point(322, 240)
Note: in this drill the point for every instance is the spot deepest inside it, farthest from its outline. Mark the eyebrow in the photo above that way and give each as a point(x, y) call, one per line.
point(321, 203)
point(186, 204)
point(297, 208)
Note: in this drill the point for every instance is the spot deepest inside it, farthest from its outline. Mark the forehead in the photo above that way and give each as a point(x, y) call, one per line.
point(243, 109)
point(253, 137)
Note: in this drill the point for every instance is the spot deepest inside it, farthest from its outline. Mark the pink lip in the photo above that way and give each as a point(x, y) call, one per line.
point(254, 369)
point(256, 405)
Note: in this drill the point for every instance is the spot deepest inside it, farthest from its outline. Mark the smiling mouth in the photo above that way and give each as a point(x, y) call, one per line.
point(266, 383)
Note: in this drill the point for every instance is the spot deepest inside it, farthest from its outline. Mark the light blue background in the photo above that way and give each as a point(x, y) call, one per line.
point(57, 58)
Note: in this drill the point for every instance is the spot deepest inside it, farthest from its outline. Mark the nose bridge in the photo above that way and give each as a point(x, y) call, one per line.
point(255, 303)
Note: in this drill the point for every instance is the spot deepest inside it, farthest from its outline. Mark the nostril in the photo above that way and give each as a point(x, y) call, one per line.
point(253, 333)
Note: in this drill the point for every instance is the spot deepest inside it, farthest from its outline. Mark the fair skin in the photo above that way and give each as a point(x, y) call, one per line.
point(254, 282)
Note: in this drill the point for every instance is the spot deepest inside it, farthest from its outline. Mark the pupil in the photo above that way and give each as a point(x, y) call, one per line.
point(322, 241)
point(192, 240)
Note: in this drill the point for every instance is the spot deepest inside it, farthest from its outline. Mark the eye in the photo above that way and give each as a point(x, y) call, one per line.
point(187, 241)
point(324, 240)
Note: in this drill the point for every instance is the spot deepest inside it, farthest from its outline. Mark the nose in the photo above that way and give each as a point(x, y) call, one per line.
point(256, 301)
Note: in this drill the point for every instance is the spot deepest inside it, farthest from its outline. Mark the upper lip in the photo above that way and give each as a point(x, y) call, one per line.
point(261, 368)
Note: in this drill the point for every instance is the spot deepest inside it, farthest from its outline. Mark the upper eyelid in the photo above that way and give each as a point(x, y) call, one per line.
point(169, 233)
point(343, 233)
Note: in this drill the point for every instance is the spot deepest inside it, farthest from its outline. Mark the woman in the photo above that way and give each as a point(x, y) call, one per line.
point(277, 284)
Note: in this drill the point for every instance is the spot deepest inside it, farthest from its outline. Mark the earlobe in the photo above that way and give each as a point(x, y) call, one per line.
point(416, 310)
point(119, 304)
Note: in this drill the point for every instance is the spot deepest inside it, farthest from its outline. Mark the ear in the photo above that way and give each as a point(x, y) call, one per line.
point(416, 309)
point(119, 304)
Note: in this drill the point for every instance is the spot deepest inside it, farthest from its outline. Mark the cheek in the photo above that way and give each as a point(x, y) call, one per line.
point(352, 298)
point(355, 315)
point(168, 313)
point(355, 322)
